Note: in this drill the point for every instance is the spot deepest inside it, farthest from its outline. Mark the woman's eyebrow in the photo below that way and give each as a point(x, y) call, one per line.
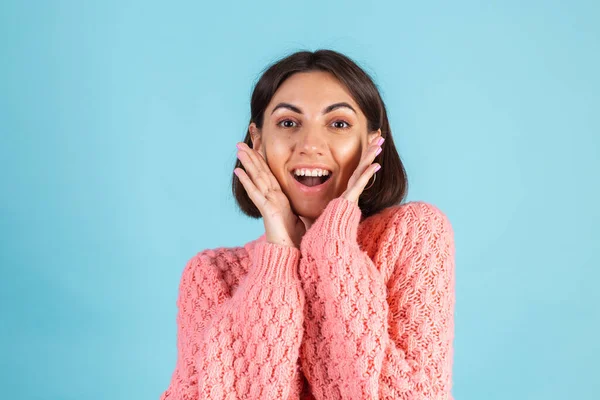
point(326, 110)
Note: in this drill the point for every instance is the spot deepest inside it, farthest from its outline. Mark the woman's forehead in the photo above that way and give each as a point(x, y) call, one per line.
point(312, 100)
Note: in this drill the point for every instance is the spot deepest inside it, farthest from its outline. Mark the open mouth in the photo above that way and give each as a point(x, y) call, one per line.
point(312, 180)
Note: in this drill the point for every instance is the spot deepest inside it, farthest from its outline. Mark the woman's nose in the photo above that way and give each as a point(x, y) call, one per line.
point(311, 141)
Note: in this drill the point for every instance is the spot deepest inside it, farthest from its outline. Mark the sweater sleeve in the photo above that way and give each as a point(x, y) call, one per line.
point(244, 345)
point(366, 338)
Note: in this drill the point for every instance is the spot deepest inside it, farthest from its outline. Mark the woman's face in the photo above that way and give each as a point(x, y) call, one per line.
point(303, 129)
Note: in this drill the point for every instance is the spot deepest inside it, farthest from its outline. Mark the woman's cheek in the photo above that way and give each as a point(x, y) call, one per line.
point(348, 155)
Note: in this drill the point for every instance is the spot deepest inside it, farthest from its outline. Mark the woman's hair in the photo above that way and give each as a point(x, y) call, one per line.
point(391, 183)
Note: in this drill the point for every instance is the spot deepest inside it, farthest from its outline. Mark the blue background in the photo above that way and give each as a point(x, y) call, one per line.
point(118, 124)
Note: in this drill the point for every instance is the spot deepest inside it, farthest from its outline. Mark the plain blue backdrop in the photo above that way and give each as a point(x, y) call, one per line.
point(118, 124)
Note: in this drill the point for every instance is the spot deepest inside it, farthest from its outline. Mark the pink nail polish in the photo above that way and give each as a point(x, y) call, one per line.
point(378, 151)
point(380, 141)
point(377, 168)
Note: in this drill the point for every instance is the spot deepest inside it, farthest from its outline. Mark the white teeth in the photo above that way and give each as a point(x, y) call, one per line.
point(311, 172)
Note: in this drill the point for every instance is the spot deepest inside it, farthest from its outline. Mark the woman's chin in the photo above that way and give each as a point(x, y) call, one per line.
point(309, 209)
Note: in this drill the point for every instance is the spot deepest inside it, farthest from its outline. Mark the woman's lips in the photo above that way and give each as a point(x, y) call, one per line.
point(311, 189)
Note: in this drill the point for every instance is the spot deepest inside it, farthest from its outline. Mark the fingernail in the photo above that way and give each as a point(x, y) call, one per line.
point(380, 141)
point(238, 145)
point(377, 168)
point(378, 151)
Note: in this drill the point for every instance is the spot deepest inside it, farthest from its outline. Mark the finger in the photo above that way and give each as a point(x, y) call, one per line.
point(374, 139)
point(261, 166)
point(374, 149)
point(372, 152)
point(254, 193)
point(363, 180)
point(253, 169)
point(267, 170)
point(252, 155)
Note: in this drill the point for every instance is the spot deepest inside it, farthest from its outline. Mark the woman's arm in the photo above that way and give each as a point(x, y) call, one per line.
point(241, 345)
point(365, 339)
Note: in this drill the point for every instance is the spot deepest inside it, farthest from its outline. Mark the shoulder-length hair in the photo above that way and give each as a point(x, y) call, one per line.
point(391, 183)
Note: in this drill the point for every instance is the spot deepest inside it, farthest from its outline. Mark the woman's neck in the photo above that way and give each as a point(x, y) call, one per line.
point(307, 222)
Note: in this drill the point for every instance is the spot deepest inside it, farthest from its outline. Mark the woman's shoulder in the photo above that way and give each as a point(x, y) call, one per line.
point(405, 218)
point(403, 230)
point(220, 257)
point(226, 264)
point(224, 256)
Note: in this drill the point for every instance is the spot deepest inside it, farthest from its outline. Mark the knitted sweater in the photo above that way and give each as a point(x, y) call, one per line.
point(364, 309)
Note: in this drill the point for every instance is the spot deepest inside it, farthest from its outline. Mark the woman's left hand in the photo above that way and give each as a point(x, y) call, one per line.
point(365, 170)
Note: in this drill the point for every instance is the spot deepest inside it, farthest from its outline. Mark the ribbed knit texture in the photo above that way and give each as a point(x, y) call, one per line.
point(363, 310)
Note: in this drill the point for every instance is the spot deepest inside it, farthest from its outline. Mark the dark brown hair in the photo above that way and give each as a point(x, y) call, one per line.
point(391, 183)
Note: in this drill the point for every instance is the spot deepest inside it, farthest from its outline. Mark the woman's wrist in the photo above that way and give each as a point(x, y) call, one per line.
point(281, 241)
point(274, 263)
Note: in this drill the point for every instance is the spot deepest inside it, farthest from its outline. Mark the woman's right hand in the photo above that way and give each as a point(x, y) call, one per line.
point(282, 226)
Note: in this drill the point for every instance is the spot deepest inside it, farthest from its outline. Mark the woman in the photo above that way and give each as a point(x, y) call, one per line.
point(348, 294)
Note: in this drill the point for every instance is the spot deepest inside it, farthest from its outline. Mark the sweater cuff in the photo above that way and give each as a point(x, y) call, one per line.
point(274, 264)
point(339, 220)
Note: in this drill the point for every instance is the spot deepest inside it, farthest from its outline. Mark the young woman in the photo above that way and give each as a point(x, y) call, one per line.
point(349, 294)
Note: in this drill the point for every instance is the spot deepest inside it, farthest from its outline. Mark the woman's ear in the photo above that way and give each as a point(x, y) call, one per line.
point(256, 137)
point(372, 135)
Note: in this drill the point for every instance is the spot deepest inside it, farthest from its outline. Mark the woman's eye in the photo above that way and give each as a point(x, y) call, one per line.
point(288, 123)
point(342, 122)
point(284, 121)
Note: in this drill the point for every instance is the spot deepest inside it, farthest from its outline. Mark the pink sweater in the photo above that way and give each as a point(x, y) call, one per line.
point(363, 310)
